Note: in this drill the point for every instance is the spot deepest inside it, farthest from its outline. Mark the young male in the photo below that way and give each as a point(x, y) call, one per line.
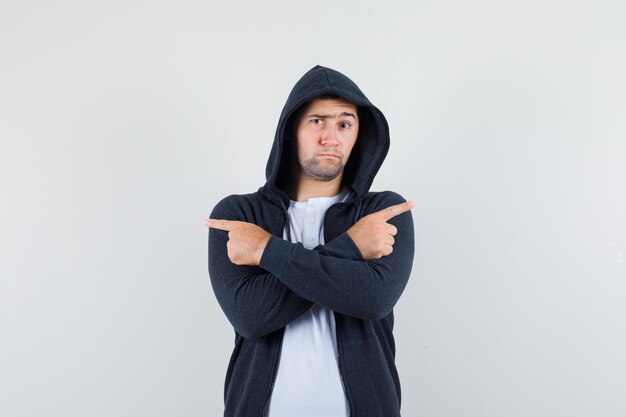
point(308, 268)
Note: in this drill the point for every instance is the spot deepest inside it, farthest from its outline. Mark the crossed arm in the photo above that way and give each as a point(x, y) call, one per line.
point(263, 282)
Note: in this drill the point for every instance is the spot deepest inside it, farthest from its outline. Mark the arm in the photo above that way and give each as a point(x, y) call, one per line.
point(366, 289)
point(255, 301)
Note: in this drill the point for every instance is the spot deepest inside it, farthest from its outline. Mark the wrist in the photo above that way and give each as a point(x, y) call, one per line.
point(261, 250)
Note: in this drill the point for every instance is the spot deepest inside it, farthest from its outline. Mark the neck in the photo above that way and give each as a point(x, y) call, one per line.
point(301, 188)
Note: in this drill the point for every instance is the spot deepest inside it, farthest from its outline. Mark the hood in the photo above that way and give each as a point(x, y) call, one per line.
point(370, 148)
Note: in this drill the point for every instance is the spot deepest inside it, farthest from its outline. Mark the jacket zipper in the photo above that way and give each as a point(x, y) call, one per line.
point(274, 373)
point(337, 335)
point(280, 346)
point(339, 357)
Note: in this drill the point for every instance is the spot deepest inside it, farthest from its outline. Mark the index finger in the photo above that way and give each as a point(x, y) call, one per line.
point(227, 225)
point(392, 211)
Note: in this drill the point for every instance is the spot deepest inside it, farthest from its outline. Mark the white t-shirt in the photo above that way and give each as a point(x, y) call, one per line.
point(307, 381)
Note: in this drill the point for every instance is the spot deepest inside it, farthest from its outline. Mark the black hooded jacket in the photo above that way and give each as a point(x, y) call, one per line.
point(259, 301)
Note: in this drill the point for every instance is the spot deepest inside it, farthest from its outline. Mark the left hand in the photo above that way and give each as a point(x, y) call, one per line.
point(373, 235)
point(246, 241)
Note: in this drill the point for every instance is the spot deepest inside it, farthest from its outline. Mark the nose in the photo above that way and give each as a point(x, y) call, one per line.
point(329, 136)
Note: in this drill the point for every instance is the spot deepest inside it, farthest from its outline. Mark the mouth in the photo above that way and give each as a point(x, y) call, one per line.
point(328, 155)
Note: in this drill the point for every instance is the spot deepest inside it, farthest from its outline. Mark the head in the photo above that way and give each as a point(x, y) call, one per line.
point(323, 135)
point(297, 165)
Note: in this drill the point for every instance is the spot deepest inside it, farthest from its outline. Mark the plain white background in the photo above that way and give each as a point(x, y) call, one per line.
point(122, 123)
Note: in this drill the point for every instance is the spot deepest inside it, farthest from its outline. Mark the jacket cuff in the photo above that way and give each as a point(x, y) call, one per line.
point(343, 247)
point(276, 255)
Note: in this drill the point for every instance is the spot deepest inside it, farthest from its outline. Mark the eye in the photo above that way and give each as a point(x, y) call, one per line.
point(345, 125)
point(317, 121)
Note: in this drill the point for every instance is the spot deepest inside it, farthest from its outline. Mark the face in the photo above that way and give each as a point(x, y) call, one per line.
point(326, 132)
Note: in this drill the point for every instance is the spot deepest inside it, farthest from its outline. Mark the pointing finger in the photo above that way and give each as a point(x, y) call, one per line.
point(392, 211)
point(227, 225)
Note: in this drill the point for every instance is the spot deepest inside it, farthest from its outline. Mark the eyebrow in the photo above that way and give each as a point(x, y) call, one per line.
point(328, 116)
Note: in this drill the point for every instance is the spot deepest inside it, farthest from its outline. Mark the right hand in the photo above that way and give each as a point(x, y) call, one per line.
point(373, 235)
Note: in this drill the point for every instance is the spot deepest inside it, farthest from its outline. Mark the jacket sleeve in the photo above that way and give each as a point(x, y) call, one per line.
point(254, 300)
point(336, 276)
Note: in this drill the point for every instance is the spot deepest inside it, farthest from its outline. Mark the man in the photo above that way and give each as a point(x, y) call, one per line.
point(308, 268)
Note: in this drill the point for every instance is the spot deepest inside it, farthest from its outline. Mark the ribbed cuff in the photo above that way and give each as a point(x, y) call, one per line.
point(276, 255)
point(344, 246)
